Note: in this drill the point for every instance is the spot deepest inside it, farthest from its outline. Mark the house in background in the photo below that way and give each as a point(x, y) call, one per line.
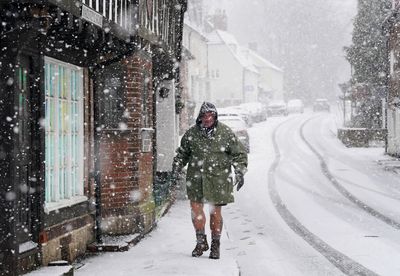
point(218, 69)
point(78, 122)
point(271, 77)
point(233, 77)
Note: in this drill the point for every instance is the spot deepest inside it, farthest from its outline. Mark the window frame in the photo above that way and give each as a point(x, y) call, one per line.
point(64, 138)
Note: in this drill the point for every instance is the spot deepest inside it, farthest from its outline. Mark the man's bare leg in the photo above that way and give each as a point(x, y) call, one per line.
point(198, 216)
point(216, 223)
point(199, 222)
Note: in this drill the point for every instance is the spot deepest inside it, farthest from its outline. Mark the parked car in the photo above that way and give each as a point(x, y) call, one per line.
point(276, 108)
point(239, 128)
point(321, 105)
point(236, 111)
point(256, 111)
point(295, 106)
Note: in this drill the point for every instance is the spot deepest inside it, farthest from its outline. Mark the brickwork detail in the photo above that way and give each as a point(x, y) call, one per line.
point(126, 171)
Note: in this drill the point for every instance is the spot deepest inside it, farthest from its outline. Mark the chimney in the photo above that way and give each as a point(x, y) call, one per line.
point(220, 20)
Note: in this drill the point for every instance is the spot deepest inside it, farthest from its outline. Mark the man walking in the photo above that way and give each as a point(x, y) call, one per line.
point(210, 149)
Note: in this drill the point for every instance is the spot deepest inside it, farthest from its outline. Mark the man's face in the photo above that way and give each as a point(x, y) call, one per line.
point(208, 119)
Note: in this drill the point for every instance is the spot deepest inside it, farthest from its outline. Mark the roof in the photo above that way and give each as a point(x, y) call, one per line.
point(222, 37)
point(186, 54)
point(195, 28)
point(259, 61)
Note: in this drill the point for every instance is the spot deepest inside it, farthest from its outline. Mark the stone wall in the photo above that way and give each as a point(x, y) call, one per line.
point(65, 242)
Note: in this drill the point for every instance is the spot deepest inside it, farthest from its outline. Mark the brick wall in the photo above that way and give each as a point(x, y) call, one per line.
point(126, 171)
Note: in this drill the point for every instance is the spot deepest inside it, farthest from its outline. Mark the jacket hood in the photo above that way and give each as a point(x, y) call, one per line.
point(207, 107)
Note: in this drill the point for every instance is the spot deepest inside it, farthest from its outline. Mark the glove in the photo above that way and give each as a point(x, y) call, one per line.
point(239, 180)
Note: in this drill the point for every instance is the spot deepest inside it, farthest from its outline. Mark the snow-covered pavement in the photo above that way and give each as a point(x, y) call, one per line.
point(165, 251)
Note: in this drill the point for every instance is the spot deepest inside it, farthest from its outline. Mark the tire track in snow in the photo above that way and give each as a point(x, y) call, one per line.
point(342, 189)
point(339, 260)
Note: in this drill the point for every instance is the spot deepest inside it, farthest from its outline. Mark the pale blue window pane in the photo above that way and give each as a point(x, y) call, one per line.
point(76, 117)
point(66, 117)
point(59, 84)
point(61, 165)
point(63, 121)
point(50, 191)
point(50, 79)
point(60, 117)
point(46, 79)
point(72, 118)
point(66, 157)
point(73, 85)
point(47, 178)
point(66, 186)
point(73, 180)
point(52, 151)
point(46, 115)
point(50, 163)
point(76, 148)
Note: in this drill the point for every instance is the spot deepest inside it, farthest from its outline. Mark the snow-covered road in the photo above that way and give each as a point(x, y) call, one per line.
point(312, 206)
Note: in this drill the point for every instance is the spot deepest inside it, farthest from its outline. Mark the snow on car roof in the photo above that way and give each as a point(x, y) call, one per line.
point(236, 123)
point(278, 102)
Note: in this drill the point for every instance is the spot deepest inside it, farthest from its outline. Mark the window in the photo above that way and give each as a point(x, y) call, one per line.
point(110, 89)
point(213, 74)
point(64, 131)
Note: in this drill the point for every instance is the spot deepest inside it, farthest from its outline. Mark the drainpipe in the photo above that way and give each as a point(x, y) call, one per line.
point(97, 162)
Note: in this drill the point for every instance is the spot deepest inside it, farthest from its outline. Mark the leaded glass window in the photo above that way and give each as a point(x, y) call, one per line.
point(64, 131)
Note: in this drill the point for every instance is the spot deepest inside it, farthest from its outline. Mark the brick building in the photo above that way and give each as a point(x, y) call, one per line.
point(78, 115)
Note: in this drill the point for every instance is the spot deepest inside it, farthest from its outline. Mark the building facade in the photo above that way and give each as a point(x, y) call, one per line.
point(79, 122)
point(233, 77)
point(271, 77)
point(392, 30)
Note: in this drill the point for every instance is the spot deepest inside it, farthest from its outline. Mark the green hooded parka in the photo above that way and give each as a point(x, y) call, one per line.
point(210, 161)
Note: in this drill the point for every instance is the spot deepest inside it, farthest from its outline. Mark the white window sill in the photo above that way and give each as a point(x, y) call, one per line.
point(52, 206)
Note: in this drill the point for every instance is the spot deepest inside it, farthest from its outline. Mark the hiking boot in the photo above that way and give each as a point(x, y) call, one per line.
point(201, 245)
point(214, 253)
